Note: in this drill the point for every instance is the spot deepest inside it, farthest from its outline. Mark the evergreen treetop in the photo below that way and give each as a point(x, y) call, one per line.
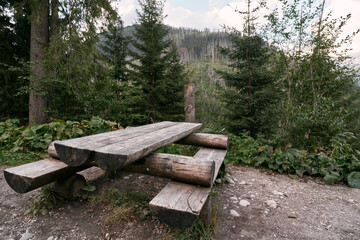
point(157, 67)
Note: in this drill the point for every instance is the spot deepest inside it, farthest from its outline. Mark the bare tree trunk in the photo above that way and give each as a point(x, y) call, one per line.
point(38, 41)
point(190, 102)
point(54, 18)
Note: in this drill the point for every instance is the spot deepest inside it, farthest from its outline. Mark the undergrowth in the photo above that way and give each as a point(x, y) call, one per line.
point(340, 163)
point(198, 231)
point(185, 150)
point(43, 203)
point(122, 206)
point(22, 144)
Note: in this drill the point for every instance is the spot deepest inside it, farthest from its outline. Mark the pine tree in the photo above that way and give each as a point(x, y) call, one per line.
point(78, 83)
point(250, 94)
point(115, 48)
point(157, 67)
point(14, 51)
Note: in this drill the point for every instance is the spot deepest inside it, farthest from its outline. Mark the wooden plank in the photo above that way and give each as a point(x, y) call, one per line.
point(77, 151)
point(33, 175)
point(176, 167)
point(206, 140)
point(115, 156)
point(180, 204)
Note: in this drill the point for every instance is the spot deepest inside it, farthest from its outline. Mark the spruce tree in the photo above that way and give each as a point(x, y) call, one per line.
point(115, 48)
point(250, 95)
point(157, 67)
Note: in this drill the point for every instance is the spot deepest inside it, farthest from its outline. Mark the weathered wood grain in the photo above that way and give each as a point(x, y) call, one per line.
point(77, 151)
point(52, 151)
point(190, 102)
point(206, 140)
point(179, 204)
point(33, 175)
point(176, 167)
point(115, 156)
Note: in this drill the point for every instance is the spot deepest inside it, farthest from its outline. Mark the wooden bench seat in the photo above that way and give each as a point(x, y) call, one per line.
point(179, 204)
point(33, 175)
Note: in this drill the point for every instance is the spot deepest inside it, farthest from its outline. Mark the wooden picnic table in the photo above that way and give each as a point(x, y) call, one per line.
point(179, 204)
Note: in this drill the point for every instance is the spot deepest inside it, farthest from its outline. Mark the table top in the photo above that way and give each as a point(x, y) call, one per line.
point(113, 150)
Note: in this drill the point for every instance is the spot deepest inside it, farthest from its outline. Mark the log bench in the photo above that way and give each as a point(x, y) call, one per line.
point(178, 204)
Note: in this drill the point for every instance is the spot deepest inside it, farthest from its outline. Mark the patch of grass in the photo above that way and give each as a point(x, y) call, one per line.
point(122, 205)
point(198, 231)
point(44, 202)
point(178, 149)
point(18, 158)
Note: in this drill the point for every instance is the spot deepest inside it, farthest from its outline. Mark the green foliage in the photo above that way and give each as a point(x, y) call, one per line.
point(18, 158)
point(313, 68)
point(115, 48)
point(15, 140)
point(354, 179)
point(262, 153)
point(14, 51)
point(43, 204)
point(78, 84)
point(251, 94)
point(86, 193)
point(209, 87)
point(156, 66)
point(185, 150)
point(196, 232)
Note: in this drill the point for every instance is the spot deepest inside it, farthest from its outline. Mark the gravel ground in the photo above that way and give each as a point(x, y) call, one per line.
point(256, 204)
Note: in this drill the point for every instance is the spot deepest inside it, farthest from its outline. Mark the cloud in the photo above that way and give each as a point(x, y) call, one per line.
point(342, 8)
point(127, 10)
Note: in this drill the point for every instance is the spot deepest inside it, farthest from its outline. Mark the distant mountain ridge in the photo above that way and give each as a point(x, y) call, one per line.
point(192, 44)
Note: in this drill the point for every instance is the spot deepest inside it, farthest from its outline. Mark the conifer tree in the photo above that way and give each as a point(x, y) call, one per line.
point(78, 83)
point(115, 48)
point(157, 67)
point(250, 94)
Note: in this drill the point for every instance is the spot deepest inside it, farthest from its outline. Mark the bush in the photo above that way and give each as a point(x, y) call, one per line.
point(22, 144)
point(15, 138)
point(338, 164)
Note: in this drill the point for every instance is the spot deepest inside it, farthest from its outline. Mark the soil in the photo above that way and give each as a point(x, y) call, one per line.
point(256, 204)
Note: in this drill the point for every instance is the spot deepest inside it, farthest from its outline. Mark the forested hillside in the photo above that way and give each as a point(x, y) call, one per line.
point(193, 44)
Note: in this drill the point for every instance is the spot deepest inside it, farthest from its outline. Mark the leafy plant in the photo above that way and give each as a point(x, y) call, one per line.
point(333, 166)
point(85, 193)
point(44, 202)
point(17, 138)
point(354, 179)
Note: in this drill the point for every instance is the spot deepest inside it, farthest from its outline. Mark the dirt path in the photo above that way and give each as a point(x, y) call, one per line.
point(254, 205)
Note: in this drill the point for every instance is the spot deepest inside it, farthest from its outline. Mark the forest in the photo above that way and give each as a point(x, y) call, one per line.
point(287, 92)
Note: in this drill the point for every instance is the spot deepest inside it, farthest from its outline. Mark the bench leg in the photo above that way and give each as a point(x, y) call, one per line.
point(68, 187)
point(206, 213)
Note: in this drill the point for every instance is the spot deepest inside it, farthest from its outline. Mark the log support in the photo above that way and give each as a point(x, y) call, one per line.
point(67, 188)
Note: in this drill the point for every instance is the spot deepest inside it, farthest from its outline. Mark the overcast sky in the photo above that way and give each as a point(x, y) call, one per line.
point(213, 14)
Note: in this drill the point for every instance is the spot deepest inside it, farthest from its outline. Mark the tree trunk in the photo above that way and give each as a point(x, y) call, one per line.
point(38, 41)
point(190, 103)
point(54, 18)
